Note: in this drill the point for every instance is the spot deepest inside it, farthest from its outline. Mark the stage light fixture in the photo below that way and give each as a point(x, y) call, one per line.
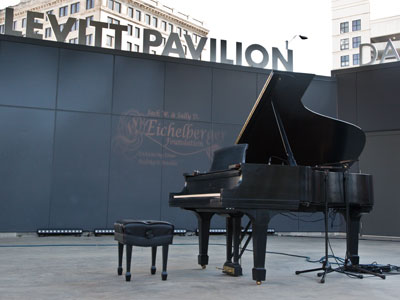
point(103, 231)
point(63, 231)
point(303, 37)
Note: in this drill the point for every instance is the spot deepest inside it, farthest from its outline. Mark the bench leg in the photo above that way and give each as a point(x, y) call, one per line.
point(128, 262)
point(153, 260)
point(120, 254)
point(164, 273)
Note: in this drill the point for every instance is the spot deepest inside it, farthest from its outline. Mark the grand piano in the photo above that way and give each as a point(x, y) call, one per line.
point(286, 158)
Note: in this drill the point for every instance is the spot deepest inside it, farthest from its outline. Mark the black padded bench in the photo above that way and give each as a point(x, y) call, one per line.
point(143, 234)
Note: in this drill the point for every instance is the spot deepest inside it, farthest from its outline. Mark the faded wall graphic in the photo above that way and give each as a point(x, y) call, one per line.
point(178, 139)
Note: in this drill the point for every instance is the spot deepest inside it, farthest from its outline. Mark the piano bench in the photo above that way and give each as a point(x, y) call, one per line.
point(143, 234)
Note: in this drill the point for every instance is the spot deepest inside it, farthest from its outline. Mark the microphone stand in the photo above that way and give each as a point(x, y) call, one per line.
point(326, 266)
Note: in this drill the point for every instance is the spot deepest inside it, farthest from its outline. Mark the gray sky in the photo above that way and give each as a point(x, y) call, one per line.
point(270, 23)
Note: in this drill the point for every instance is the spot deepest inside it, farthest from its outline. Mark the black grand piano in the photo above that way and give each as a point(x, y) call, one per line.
point(286, 158)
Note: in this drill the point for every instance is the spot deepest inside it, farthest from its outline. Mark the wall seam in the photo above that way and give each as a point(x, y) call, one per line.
point(51, 193)
point(162, 148)
point(110, 145)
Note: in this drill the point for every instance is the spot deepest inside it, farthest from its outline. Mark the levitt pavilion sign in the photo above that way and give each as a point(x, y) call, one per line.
point(151, 38)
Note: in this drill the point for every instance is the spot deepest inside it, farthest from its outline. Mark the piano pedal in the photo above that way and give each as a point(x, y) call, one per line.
point(232, 269)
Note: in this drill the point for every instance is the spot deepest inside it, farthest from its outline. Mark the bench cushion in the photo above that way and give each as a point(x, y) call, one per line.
point(143, 233)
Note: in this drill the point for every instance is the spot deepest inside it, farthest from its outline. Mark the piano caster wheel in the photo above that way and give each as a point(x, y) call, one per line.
point(258, 282)
point(203, 267)
point(119, 271)
point(128, 276)
point(153, 270)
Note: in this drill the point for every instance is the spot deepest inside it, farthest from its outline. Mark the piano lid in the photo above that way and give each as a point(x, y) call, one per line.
point(314, 139)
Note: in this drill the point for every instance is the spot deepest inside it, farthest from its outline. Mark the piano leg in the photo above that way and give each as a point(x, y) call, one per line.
point(353, 230)
point(228, 240)
point(259, 220)
point(203, 219)
point(233, 230)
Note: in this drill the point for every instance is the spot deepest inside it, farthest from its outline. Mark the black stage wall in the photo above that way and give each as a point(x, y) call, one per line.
point(369, 96)
point(89, 136)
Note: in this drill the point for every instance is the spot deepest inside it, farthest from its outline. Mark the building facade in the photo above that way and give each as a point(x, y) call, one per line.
point(137, 15)
point(352, 26)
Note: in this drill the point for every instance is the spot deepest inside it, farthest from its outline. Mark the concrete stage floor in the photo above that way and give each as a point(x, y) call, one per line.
point(86, 268)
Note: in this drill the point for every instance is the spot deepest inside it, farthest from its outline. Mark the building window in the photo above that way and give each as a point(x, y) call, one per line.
point(89, 5)
point(73, 41)
point(112, 21)
point(164, 40)
point(155, 22)
point(344, 27)
point(88, 19)
point(75, 26)
point(138, 15)
point(23, 23)
point(14, 25)
point(62, 27)
point(75, 8)
point(356, 25)
point(89, 39)
point(136, 48)
point(130, 12)
point(117, 6)
point(185, 32)
point(170, 27)
point(356, 59)
point(128, 46)
point(185, 49)
point(344, 44)
point(179, 31)
point(63, 11)
point(109, 41)
point(356, 41)
point(114, 5)
point(164, 25)
point(50, 12)
point(137, 32)
point(147, 19)
point(130, 29)
point(2, 28)
point(344, 61)
point(47, 32)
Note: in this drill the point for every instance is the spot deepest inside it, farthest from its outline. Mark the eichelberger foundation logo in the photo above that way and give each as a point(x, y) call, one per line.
point(137, 134)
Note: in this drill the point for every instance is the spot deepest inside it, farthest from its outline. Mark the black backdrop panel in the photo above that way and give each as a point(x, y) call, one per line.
point(183, 155)
point(138, 86)
point(188, 92)
point(135, 172)
point(234, 94)
point(80, 170)
point(26, 156)
point(347, 97)
point(168, 117)
point(320, 97)
point(377, 99)
point(85, 81)
point(28, 75)
point(381, 159)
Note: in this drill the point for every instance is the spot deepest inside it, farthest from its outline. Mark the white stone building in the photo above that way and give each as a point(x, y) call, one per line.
point(352, 26)
point(135, 14)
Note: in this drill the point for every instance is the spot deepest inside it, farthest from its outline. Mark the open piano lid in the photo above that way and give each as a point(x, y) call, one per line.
point(315, 139)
